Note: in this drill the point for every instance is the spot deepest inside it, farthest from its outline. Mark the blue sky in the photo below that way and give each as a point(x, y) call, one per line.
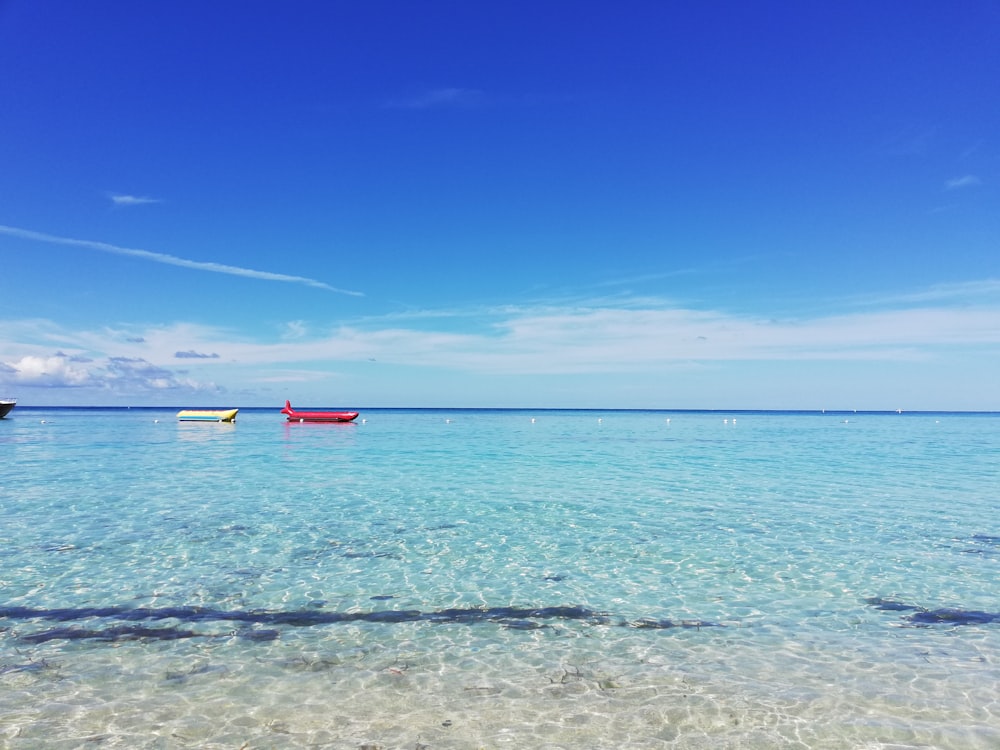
point(454, 204)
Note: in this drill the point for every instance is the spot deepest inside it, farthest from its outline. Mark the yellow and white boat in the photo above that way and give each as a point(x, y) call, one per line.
point(207, 415)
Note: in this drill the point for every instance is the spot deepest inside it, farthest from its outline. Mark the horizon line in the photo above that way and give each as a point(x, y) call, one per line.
point(676, 410)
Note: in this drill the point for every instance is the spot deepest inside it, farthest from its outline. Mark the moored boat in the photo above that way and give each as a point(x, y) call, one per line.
point(207, 415)
point(317, 416)
point(6, 404)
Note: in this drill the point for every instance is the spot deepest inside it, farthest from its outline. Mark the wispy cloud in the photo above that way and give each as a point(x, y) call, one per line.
point(911, 140)
point(442, 97)
point(969, 180)
point(984, 291)
point(564, 340)
point(971, 150)
point(172, 260)
point(567, 340)
point(294, 329)
point(132, 200)
point(130, 374)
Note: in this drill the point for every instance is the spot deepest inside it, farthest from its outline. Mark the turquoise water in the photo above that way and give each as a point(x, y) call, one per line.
point(483, 579)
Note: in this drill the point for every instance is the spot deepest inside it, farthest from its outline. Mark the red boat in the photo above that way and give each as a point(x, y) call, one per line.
point(317, 416)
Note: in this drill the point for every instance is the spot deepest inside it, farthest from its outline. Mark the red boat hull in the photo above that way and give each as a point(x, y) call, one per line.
point(318, 416)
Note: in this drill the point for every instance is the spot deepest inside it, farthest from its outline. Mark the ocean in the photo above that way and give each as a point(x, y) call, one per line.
point(445, 579)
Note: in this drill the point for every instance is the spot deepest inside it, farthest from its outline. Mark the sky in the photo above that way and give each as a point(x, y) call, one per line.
point(774, 205)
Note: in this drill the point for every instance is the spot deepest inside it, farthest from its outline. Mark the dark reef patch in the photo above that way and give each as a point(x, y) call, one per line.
point(122, 619)
point(922, 617)
point(986, 539)
point(113, 633)
point(889, 605)
point(954, 617)
point(651, 624)
point(983, 544)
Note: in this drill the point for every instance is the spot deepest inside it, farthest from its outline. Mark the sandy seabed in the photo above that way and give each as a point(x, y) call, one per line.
point(649, 690)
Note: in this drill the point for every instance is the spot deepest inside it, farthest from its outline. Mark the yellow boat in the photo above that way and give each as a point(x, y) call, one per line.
point(207, 415)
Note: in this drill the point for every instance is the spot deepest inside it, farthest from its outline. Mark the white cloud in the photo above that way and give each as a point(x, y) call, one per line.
point(171, 260)
point(112, 373)
point(57, 370)
point(132, 200)
point(965, 181)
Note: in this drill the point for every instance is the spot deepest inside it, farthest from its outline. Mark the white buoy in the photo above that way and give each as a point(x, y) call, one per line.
point(532, 420)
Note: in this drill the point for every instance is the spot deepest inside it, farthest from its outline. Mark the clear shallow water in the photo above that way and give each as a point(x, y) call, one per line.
point(478, 579)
